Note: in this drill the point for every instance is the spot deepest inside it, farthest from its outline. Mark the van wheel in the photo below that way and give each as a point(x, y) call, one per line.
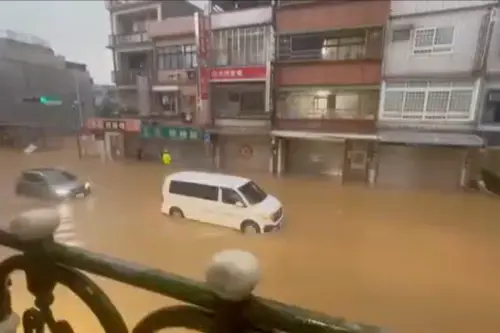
point(176, 212)
point(249, 227)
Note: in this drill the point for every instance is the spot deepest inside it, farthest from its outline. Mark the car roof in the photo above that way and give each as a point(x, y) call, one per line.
point(43, 170)
point(209, 178)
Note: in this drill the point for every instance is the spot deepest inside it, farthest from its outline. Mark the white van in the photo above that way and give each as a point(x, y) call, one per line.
point(220, 199)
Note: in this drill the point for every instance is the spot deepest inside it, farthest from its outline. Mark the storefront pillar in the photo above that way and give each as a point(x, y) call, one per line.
point(280, 157)
point(217, 156)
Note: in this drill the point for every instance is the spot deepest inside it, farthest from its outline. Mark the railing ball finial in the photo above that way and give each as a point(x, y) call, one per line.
point(233, 274)
point(36, 224)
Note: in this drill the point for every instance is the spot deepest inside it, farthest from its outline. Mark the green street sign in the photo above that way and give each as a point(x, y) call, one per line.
point(47, 100)
point(171, 133)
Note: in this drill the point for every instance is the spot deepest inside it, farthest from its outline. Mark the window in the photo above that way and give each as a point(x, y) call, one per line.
point(328, 104)
point(230, 197)
point(253, 193)
point(56, 176)
point(168, 102)
point(433, 40)
point(33, 178)
point(177, 57)
point(422, 100)
point(239, 100)
point(240, 46)
point(194, 190)
point(347, 48)
point(337, 46)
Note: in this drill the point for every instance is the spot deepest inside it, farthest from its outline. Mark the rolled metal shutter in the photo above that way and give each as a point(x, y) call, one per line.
point(245, 153)
point(419, 167)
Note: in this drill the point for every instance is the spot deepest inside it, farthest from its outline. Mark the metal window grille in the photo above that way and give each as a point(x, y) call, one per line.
point(428, 101)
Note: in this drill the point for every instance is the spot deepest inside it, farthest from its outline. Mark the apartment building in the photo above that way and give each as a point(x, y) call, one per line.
point(327, 75)
point(237, 84)
point(135, 69)
point(174, 123)
point(489, 122)
point(433, 74)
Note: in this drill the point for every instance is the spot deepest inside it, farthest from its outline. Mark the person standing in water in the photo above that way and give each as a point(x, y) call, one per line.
point(165, 157)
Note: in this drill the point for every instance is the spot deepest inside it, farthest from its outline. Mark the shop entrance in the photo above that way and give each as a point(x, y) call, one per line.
point(114, 145)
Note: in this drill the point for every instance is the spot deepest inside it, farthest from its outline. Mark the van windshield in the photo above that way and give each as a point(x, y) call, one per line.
point(253, 193)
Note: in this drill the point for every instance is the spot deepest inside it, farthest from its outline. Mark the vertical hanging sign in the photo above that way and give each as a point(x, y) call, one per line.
point(202, 30)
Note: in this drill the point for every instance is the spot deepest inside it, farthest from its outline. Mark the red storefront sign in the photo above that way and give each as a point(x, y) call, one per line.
point(246, 73)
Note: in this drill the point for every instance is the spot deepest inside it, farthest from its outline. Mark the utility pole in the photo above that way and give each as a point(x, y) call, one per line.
point(78, 100)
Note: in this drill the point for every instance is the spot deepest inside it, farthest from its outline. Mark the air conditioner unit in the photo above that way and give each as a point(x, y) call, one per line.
point(401, 33)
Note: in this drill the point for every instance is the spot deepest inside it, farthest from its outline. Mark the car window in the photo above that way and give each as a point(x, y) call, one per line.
point(194, 190)
point(33, 178)
point(253, 193)
point(230, 197)
point(58, 176)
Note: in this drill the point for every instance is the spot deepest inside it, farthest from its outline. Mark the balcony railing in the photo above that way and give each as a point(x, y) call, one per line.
point(223, 303)
point(127, 39)
point(128, 77)
point(326, 114)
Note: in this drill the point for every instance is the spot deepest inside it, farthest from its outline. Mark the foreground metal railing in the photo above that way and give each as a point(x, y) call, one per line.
point(224, 304)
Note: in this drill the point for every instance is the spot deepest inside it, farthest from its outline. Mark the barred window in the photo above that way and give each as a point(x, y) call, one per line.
point(433, 40)
point(414, 101)
point(437, 101)
point(428, 101)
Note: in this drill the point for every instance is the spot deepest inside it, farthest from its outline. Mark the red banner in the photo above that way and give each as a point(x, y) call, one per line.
point(243, 73)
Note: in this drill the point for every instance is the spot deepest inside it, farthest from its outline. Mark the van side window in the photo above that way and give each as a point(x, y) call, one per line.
point(230, 197)
point(194, 190)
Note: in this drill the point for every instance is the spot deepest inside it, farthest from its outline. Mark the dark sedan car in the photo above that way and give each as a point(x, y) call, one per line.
point(50, 183)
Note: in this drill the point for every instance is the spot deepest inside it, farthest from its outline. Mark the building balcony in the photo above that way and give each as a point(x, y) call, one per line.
point(336, 46)
point(171, 27)
point(129, 39)
point(176, 77)
point(121, 4)
point(328, 110)
point(128, 77)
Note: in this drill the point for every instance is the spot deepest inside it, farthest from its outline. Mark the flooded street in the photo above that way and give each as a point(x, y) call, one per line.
point(411, 262)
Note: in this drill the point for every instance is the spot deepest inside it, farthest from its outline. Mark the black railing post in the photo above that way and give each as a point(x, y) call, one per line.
point(232, 275)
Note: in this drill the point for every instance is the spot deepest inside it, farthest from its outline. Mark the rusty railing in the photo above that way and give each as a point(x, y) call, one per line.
point(223, 304)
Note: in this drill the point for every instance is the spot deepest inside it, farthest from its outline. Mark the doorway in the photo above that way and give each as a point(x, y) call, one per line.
point(357, 157)
point(114, 145)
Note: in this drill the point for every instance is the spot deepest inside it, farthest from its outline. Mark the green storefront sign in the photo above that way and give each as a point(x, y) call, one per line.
point(171, 133)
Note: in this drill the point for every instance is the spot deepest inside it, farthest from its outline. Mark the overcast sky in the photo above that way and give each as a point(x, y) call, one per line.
point(76, 29)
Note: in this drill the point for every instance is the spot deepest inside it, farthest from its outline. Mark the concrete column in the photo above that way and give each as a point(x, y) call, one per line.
point(217, 154)
point(280, 155)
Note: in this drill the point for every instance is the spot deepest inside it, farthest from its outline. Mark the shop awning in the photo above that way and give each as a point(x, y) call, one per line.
point(431, 138)
point(239, 130)
point(323, 136)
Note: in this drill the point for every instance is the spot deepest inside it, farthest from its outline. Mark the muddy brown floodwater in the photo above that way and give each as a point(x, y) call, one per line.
point(412, 262)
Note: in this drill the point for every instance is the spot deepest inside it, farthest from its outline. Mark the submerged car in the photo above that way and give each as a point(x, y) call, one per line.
point(220, 199)
point(51, 184)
